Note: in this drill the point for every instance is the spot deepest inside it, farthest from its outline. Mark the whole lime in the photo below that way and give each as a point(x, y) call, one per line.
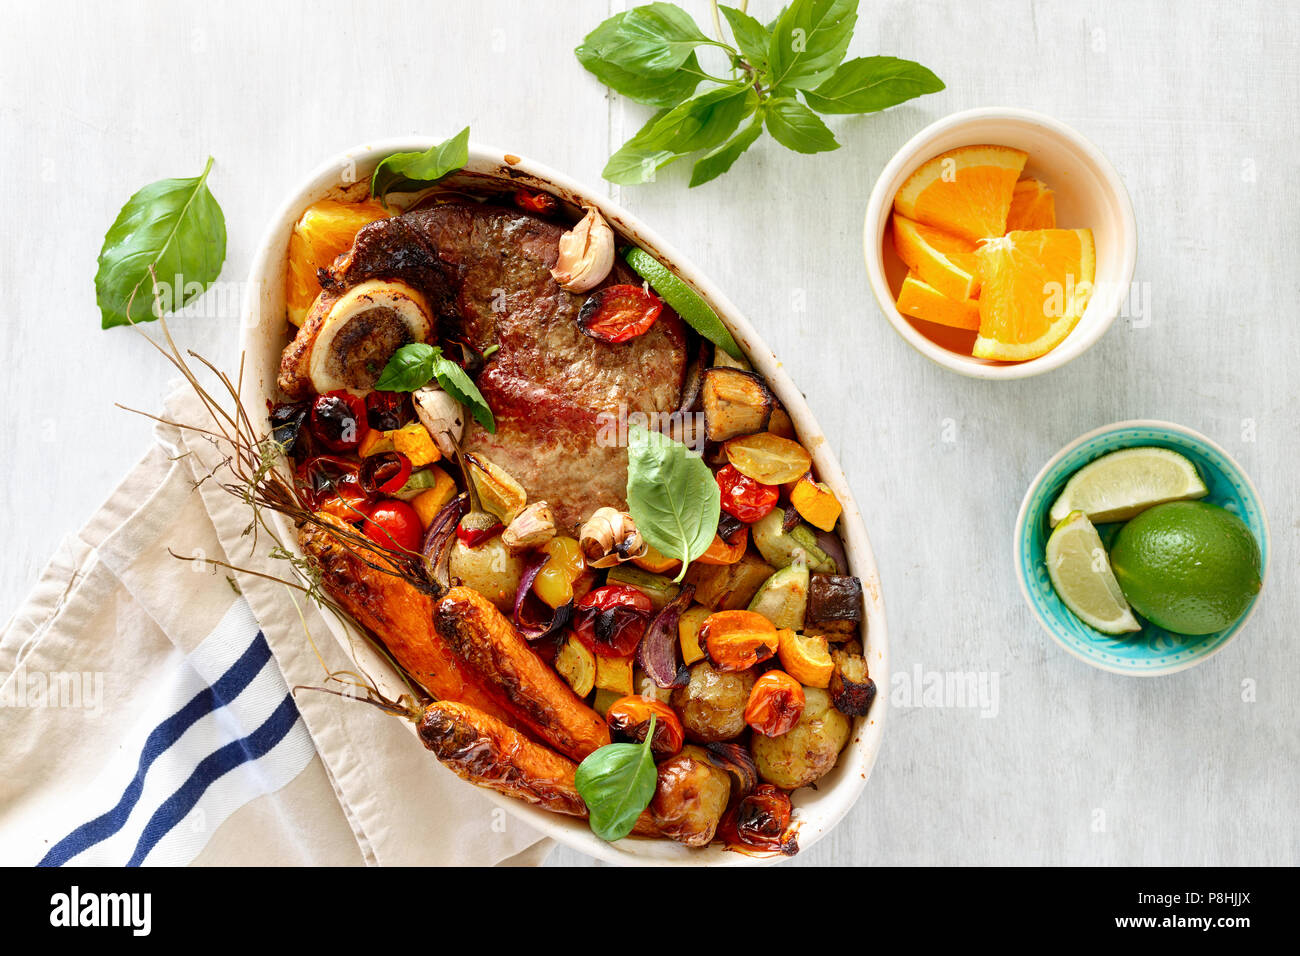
point(1187, 566)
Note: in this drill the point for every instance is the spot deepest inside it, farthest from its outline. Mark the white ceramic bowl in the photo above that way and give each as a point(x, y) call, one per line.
point(264, 336)
point(1089, 194)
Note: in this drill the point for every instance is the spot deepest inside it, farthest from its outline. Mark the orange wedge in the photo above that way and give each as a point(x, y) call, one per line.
point(920, 300)
point(940, 259)
point(325, 231)
point(1036, 285)
point(1033, 206)
point(965, 191)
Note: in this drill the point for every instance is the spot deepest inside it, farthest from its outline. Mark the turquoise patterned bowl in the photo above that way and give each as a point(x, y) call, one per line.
point(1153, 651)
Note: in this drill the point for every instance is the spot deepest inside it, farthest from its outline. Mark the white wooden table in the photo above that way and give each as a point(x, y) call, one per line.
point(1194, 103)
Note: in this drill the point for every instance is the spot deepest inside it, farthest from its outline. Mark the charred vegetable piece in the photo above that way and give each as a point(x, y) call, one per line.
point(806, 659)
point(783, 598)
point(385, 474)
point(629, 718)
point(762, 820)
point(731, 529)
point(690, 797)
point(745, 498)
point(774, 704)
point(738, 763)
point(618, 313)
point(731, 586)
point(532, 617)
point(834, 597)
point(735, 402)
point(387, 411)
point(611, 620)
point(325, 479)
point(737, 640)
point(286, 423)
point(852, 689)
point(338, 420)
point(657, 652)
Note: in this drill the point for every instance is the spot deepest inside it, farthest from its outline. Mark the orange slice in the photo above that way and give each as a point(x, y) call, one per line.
point(1033, 206)
point(325, 231)
point(940, 259)
point(921, 300)
point(1036, 285)
point(966, 191)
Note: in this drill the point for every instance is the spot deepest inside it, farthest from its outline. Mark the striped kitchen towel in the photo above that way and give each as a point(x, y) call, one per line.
point(148, 718)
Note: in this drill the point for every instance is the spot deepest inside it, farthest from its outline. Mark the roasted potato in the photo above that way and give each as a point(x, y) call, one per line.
point(690, 797)
point(712, 704)
point(490, 568)
point(809, 750)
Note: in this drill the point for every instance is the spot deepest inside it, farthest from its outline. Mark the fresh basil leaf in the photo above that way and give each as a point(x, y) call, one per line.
point(871, 83)
point(457, 383)
point(752, 38)
point(409, 368)
point(635, 162)
point(671, 495)
point(164, 249)
point(715, 163)
point(617, 782)
point(663, 91)
point(809, 40)
point(404, 172)
point(654, 40)
point(796, 127)
point(703, 121)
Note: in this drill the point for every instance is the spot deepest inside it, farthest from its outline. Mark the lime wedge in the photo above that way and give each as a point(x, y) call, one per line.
point(1118, 486)
point(685, 301)
point(1080, 571)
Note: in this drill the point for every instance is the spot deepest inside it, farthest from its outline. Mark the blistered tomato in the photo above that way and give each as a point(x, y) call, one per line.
point(611, 620)
point(743, 497)
point(775, 704)
point(617, 313)
point(385, 473)
point(338, 420)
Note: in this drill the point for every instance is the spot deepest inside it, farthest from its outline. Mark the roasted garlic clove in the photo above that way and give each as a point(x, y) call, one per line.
point(534, 526)
point(609, 537)
point(586, 253)
point(441, 415)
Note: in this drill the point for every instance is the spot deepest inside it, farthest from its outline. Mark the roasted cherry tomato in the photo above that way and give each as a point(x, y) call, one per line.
point(745, 498)
point(737, 640)
point(775, 704)
point(385, 473)
point(338, 420)
point(388, 411)
point(761, 819)
point(541, 203)
point(629, 718)
point(395, 525)
point(617, 313)
point(331, 484)
point(611, 620)
point(472, 534)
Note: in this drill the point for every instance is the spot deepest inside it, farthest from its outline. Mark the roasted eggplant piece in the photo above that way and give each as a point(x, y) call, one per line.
point(736, 402)
point(834, 597)
point(852, 689)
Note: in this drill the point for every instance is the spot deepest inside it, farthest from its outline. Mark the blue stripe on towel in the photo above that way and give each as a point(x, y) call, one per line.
point(215, 765)
point(232, 682)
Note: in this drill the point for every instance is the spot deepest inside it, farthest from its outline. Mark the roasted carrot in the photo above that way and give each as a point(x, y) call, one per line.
point(488, 644)
point(399, 615)
point(484, 751)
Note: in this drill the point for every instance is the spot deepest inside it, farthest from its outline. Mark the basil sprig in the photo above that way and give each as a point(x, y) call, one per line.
point(616, 782)
point(671, 495)
point(413, 366)
point(165, 248)
point(404, 172)
point(781, 76)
